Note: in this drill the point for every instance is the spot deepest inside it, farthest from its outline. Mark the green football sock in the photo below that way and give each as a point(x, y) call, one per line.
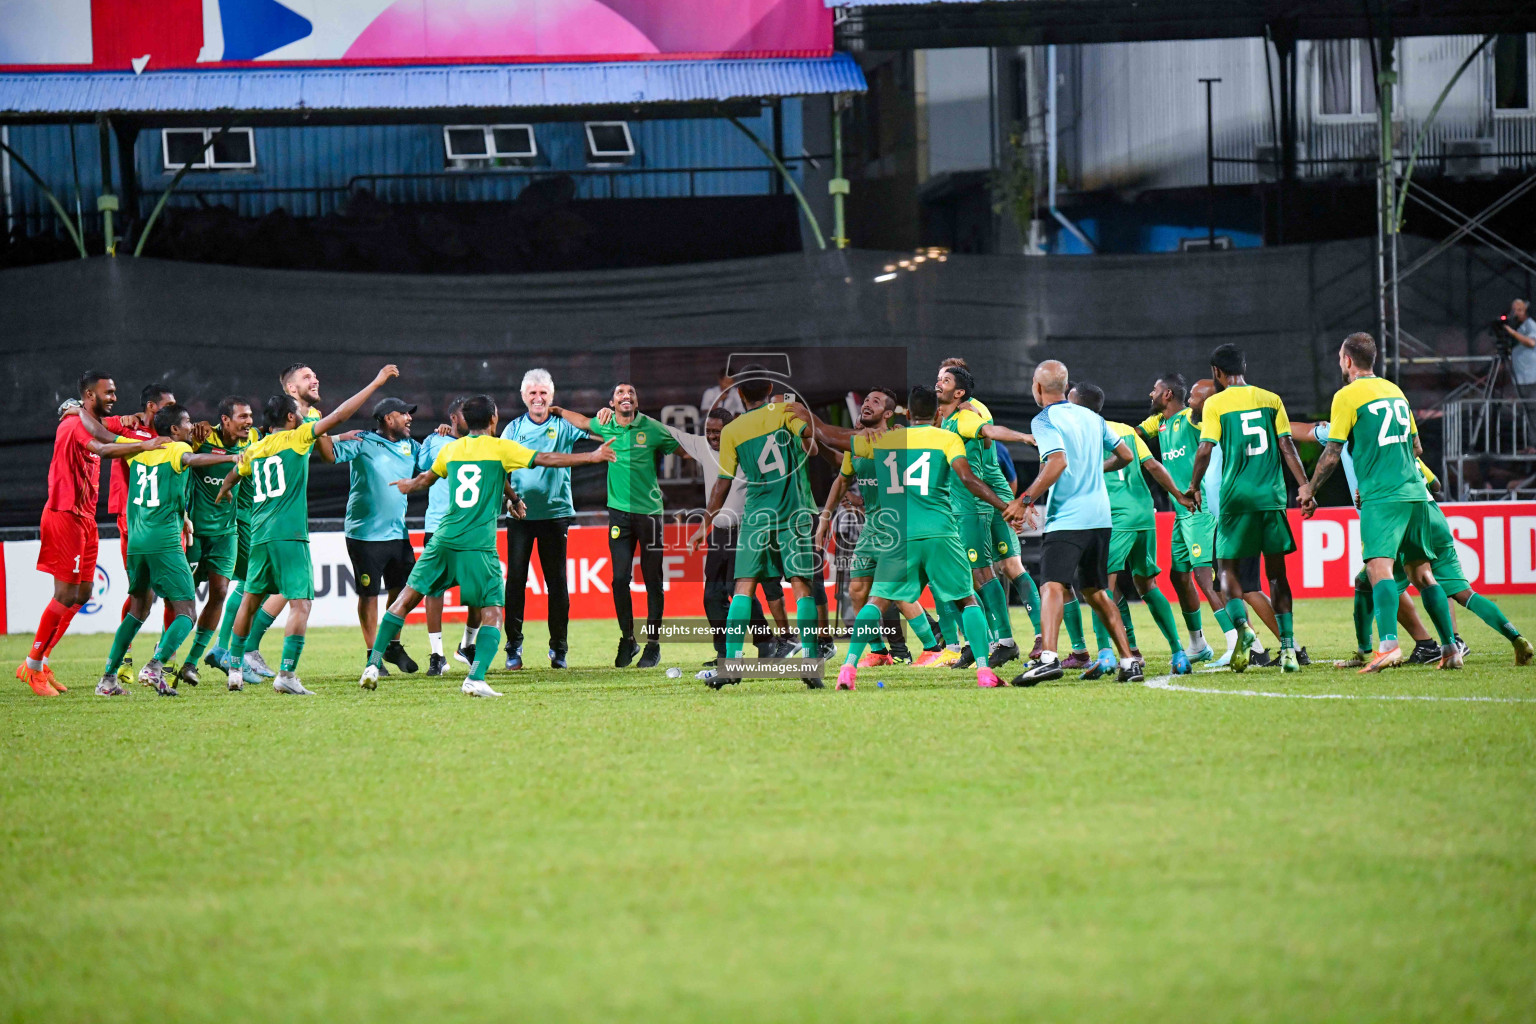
point(876, 642)
point(1193, 622)
point(919, 624)
point(1384, 600)
point(259, 627)
point(1439, 612)
point(1072, 616)
point(231, 609)
point(805, 626)
point(1363, 615)
point(865, 628)
point(171, 639)
point(1286, 622)
point(1223, 620)
point(1125, 620)
point(949, 624)
point(293, 650)
point(121, 640)
point(1162, 614)
point(1029, 597)
point(974, 620)
point(1492, 614)
point(200, 641)
point(1101, 634)
point(994, 603)
point(488, 645)
point(1237, 614)
point(389, 631)
point(736, 619)
point(236, 650)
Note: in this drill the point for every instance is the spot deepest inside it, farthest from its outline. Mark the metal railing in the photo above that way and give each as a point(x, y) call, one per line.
point(1480, 430)
point(506, 184)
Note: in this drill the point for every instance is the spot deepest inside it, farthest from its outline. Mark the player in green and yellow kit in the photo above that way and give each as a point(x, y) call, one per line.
point(769, 443)
point(914, 469)
point(277, 468)
point(875, 413)
point(157, 510)
point(220, 536)
point(462, 552)
point(1397, 519)
point(634, 514)
point(1251, 427)
point(1133, 536)
point(990, 544)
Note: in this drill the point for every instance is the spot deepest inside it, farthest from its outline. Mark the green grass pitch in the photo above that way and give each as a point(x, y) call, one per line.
point(614, 845)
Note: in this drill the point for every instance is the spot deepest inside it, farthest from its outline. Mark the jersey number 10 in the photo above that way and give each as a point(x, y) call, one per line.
point(268, 478)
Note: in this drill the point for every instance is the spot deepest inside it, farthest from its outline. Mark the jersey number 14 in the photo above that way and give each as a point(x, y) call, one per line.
point(915, 477)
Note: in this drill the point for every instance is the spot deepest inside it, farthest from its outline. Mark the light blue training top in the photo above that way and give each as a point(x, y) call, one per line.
point(375, 509)
point(437, 494)
point(546, 490)
point(1078, 500)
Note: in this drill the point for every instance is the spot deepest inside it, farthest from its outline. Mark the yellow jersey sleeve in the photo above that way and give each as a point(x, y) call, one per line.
point(515, 456)
point(795, 424)
point(440, 464)
point(954, 448)
point(1282, 421)
point(728, 450)
point(1341, 418)
point(863, 446)
point(1152, 424)
point(847, 468)
point(1210, 421)
point(243, 466)
point(179, 450)
point(1413, 424)
point(1139, 448)
point(968, 424)
point(1424, 471)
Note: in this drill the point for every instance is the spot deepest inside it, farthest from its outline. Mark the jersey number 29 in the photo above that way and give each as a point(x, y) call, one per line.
point(1393, 412)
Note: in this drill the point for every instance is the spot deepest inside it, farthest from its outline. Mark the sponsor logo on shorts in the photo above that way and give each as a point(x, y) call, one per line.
point(613, 531)
point(971, 554)
point(363, 579)
point(1002, 547)
point(1196, 549)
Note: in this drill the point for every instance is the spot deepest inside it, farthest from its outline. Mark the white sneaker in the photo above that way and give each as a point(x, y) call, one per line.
point(287, 682)
point(478, 688)
point(256, 663)
point(370, 680)
point(235, 678)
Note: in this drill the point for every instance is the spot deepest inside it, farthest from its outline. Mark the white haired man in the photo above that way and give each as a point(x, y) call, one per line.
point(546, 490)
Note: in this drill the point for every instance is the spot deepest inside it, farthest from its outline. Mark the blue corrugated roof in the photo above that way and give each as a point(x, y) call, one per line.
point(429, 88)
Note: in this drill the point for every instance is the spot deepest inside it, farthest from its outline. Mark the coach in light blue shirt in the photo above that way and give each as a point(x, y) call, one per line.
point(1072, 440)
point(381, 553)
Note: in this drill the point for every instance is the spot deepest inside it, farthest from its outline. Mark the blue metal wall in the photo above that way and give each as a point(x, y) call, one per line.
point(292, 164)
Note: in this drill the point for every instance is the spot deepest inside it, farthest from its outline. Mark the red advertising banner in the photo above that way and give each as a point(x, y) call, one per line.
point(1496, 542)
point(111, 35)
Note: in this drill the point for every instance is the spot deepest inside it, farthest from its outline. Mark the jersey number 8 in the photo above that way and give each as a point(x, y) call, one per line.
point(269, 478)
point(467, 493)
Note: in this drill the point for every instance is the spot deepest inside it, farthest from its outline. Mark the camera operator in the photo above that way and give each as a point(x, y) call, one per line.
point(1521, 340)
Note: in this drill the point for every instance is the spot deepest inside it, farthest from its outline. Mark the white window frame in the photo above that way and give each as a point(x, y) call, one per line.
point(596, 159)
point(1356, 56)
point(208, 163)
point(1530, 82)
point(490, 153)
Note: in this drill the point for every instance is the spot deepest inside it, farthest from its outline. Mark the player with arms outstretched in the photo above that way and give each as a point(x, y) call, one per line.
point(278, 469)
point(462, 551)
point(1254, 433)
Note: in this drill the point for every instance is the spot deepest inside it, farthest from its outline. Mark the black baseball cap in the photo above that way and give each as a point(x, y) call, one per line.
point(389, 405)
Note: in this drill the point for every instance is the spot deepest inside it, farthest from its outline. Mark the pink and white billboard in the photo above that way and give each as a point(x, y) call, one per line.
point(114, 35)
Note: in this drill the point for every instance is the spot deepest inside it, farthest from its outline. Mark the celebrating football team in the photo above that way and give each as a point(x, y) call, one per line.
point(923, 503)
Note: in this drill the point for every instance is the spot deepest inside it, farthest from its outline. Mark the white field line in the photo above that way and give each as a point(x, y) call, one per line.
point(1167, 683)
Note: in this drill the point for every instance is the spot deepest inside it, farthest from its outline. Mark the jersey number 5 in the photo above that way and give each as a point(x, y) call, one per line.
point(1252, 425)
point(1392, 411)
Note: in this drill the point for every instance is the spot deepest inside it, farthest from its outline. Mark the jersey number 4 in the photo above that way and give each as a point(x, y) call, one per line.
point(149, 485)
point(1393, 412)
point(915, 477)
point(268, 478)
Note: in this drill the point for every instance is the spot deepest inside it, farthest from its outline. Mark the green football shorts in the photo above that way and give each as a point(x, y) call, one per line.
point(213, 556)
point(1005, 543)
point(866, 553)
point(242, 549)
point(1134, 551)
point(769, 549)
point(1402, 529)
point(1245, 534)
point(940, 561)
point(1194, 542)
point(281, 567)
point(165, 572)
point(476, 573)
point(976, 538)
